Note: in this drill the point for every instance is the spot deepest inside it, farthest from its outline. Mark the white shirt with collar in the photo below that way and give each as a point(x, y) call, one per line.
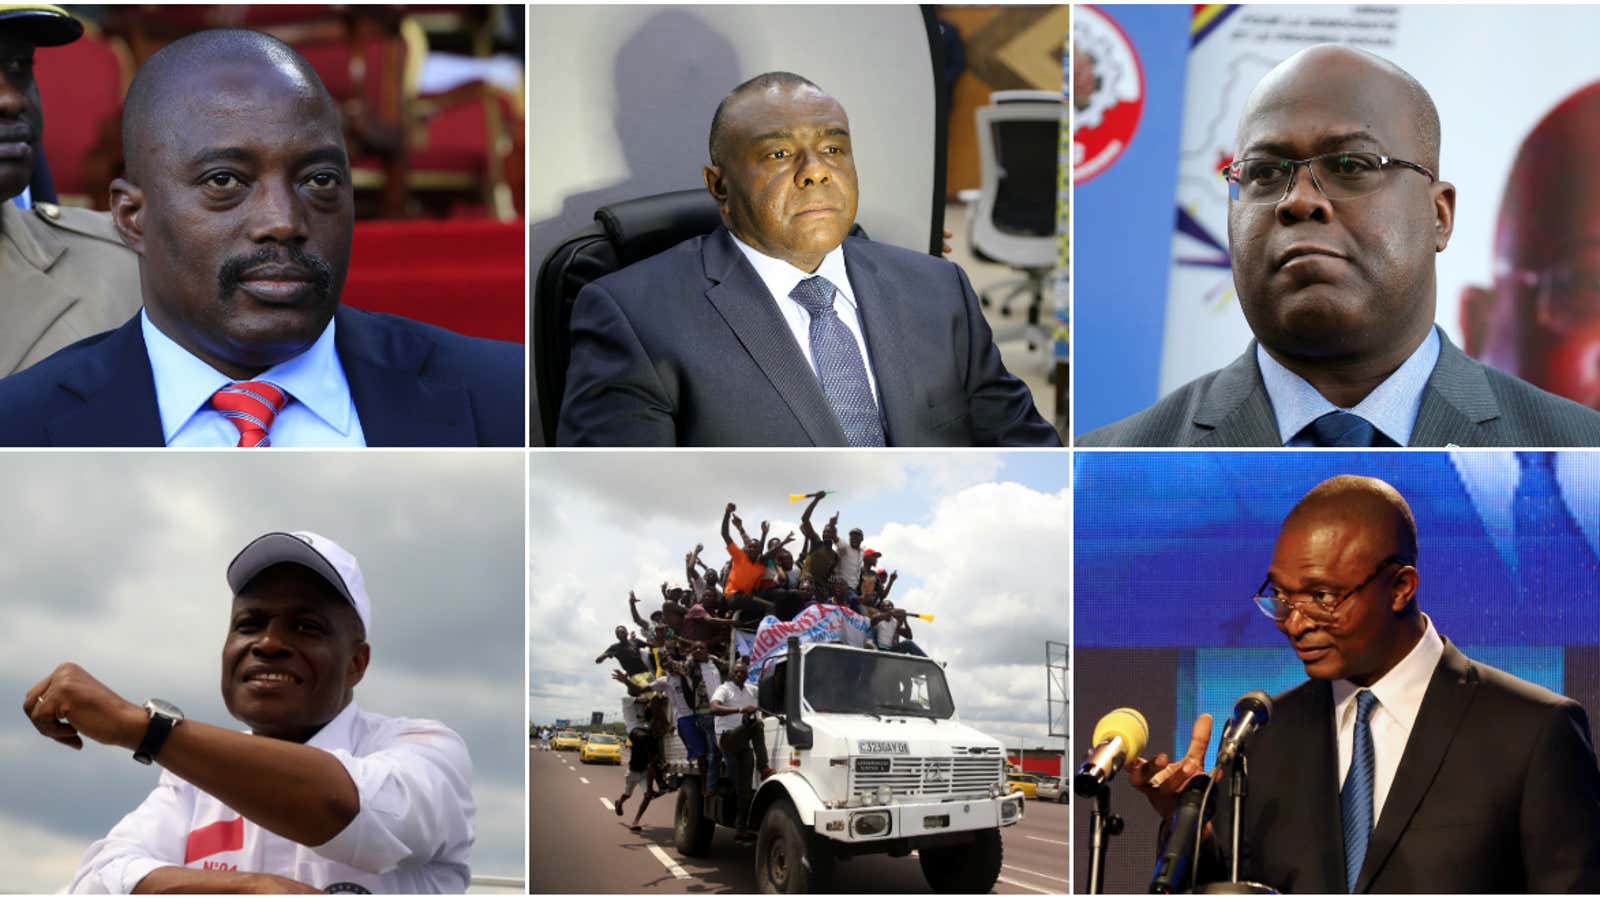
point(780, 278)
point(320, 413)
point(1391, 408)
point(1399, 692)
point(1490, 480)
point(413, 834)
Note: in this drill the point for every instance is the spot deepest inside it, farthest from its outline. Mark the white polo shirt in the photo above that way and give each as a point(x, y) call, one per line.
point(730, 693)
point(413, 834)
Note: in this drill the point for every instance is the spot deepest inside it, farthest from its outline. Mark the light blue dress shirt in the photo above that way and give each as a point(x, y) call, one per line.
point(1392, 406)
point(321, 412)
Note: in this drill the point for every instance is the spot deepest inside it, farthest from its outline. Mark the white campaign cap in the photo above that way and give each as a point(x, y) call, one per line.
point(315, 552)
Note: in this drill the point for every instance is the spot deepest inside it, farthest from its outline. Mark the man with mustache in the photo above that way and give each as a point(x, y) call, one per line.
point(64, 275)
point(238, 201)
point(1336, 214)
point(319, 796)
point(777, 329)
point(1401, 766)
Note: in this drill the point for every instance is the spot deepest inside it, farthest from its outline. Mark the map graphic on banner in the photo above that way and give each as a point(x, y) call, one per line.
point(1540, 57)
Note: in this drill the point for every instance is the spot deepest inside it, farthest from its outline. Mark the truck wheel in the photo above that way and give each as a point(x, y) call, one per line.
point(691, 828)
point(790, 859)
point(972, 869)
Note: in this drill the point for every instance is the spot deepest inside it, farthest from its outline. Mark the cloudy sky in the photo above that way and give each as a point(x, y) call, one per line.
point(980, 540)
point(116, 561)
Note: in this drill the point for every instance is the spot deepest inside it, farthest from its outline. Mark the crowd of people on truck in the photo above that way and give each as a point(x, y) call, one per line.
point(688, 665)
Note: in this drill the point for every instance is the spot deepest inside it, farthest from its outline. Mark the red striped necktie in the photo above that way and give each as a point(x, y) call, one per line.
point(251, 406)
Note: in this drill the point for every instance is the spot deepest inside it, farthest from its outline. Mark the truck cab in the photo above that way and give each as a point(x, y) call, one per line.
point(868, 757)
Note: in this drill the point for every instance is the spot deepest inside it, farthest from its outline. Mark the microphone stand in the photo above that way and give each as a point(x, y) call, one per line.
point(1102, 827)
point(1238, 786)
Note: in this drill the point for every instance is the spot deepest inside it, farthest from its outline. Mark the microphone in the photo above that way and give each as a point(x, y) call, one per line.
point(1119, 736)
point(1177, 853)
point(1250, 715)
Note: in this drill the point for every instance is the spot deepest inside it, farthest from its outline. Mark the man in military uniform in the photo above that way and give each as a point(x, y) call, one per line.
point(64, 273)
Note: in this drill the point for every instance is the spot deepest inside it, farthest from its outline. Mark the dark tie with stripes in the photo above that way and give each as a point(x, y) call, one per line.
point(1355, 800)
point(840, 368)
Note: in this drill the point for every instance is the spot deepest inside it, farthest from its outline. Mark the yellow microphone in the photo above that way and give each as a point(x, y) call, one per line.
point(1119, 736)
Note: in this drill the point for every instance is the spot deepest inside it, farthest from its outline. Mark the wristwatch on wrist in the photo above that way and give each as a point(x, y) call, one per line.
point(163, 718)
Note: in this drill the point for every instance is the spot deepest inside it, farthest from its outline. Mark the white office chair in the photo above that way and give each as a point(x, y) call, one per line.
point(1014, 222)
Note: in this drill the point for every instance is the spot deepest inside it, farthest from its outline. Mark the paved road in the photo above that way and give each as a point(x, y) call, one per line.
point(578, 845)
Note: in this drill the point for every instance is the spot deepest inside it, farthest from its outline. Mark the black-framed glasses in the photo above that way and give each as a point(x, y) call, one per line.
point(1563, 295)
point(1341, 175)
point(1321, 605)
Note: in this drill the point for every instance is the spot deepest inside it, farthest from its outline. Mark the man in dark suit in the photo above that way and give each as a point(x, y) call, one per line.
point(777, 330)
point(238, 201)
point(1402, 765)
point(1335, 217)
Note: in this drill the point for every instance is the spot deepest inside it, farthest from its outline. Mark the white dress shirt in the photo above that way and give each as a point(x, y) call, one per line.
point(1491, 480)
point(413, 834)
point(1399, 694)
point(781, 277)
point(321, 412)
point(733, 695)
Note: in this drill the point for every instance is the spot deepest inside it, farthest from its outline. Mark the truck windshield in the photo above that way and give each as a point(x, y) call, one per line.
point(840, 680)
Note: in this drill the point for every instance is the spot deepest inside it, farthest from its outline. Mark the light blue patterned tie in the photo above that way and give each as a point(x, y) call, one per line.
point(839, 365)
point(1355, 800)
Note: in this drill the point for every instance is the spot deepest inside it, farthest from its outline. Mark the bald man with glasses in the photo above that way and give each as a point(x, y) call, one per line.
point(1401, 765)
point(1335, 215)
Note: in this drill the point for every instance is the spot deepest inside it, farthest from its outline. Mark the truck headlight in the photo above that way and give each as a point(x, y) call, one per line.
point(1008, 810)
point(869, 824)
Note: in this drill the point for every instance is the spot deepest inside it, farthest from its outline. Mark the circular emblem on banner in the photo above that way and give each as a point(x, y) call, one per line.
point(1107, 92)
point(345, 887)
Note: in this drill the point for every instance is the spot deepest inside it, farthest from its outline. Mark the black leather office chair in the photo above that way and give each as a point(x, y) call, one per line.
point(624, 233)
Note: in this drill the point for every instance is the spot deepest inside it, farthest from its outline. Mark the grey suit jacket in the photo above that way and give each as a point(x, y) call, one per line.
point(1465, 403)
point(688, 348)
point(64, 276)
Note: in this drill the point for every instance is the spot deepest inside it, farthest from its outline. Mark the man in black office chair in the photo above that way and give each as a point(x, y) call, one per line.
point(778, 330)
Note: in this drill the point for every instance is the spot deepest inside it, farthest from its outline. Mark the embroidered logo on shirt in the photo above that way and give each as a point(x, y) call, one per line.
point(218, 837)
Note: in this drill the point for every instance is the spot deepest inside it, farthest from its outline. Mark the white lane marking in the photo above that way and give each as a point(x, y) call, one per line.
point(676, 870)
point(583, 779)
point(572, 768)
point(1027, 887)
point(1046, 840)
point(1036, 874)
point(606, 802)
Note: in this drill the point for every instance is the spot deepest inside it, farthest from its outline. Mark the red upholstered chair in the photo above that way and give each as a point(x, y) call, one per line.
point(464, 275)
point(81, 86)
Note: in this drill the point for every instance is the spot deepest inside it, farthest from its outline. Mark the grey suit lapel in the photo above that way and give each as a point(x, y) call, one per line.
point(744, 302)
point(1445, 702)
point(882, 320)
point(1236, 409)
point(1456, 401)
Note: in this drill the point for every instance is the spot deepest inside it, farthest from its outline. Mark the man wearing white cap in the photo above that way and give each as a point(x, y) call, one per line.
point(320, 796)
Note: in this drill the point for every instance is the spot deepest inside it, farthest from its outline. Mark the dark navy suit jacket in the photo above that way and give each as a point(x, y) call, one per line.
point(688, 348)
point(1497, 792)
point(414, 385)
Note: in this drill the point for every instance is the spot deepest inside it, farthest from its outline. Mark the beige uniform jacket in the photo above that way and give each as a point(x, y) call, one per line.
point(64, 276)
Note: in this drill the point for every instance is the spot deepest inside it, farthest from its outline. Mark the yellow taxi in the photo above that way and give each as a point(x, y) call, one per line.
point(567, 740)
point(1027, 784)
point(602, 748)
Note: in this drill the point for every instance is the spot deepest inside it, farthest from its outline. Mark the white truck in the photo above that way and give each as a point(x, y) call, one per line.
point(868, 757)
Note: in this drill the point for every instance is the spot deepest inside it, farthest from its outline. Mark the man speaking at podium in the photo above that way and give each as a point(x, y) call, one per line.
point(778, 329)
point(1401, 766)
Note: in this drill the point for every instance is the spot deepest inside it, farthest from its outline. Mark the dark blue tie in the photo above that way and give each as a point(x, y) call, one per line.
point(1355, 800)
point(1554, 560)
point(839, 365)
point(1342, 429)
